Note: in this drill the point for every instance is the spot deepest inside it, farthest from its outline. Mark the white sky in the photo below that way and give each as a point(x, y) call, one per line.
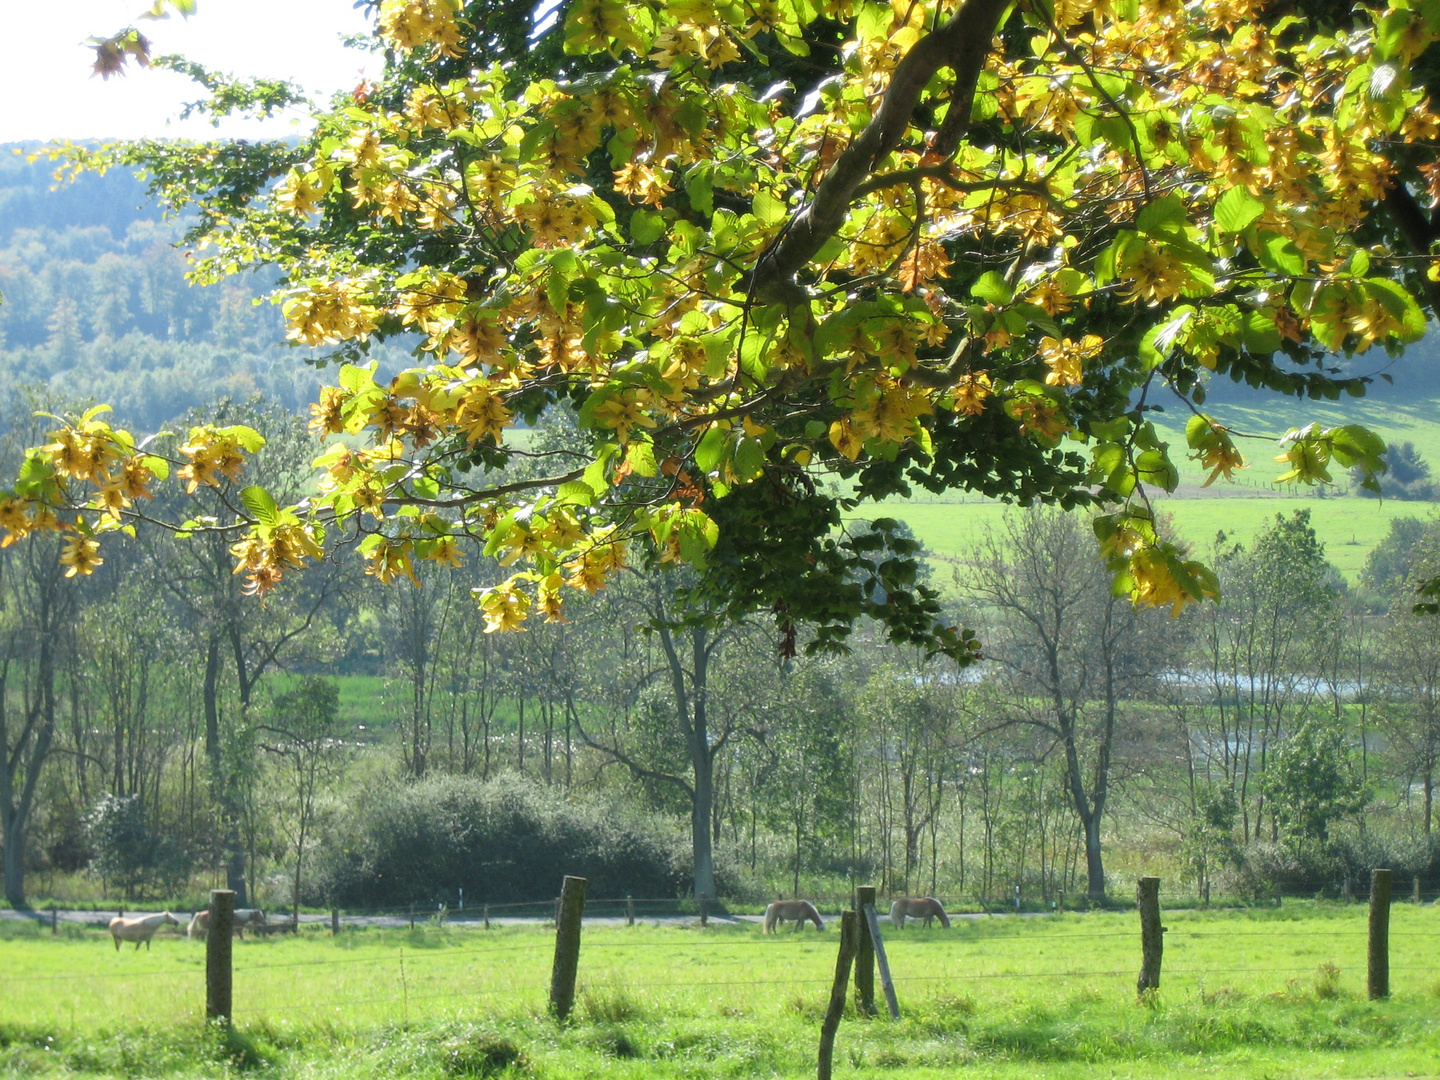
point(47, 92)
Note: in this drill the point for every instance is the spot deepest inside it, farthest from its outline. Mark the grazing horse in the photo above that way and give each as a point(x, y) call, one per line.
point(920, 907)
point(799, 910)
point(138, 930)
point(245, 916)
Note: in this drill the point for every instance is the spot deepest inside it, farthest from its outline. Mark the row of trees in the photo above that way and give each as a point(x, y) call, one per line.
point(1292, 712)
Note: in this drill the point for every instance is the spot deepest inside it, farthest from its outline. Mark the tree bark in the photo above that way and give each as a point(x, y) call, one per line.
point(32, 744)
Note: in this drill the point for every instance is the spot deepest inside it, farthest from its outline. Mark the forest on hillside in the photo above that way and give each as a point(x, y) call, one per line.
point(95, 305)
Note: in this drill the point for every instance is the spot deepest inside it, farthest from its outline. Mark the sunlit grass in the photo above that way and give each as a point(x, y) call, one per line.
point(1243, 994)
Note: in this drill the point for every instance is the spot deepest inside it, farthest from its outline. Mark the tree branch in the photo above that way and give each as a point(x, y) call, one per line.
point(962, 44)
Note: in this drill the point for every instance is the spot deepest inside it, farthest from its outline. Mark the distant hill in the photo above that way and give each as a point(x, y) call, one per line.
point(94, 304)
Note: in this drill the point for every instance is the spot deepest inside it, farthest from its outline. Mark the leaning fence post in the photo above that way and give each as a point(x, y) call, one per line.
point(334, 922)
point(836, 1008)
point(569, 910)
point(865, 954)
point(1378, 983)
point(217, 955)
point(886, 983)
point(1152, 934)
point(629, 910)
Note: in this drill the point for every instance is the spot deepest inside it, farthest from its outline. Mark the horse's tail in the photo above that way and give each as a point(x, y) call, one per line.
point(193, 929)
point(812, 914)
point(897, 913)
point(772, 913)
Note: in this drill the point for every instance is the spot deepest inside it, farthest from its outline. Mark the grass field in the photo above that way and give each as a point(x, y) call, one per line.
point(950, 525)
point(1244, 994)
point(1348, 527)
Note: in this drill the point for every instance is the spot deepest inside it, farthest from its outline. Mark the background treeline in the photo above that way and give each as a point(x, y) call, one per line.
point(372, 746)
point(347, 742)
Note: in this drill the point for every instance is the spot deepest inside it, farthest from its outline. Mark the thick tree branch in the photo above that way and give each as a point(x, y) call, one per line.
point(962, 44)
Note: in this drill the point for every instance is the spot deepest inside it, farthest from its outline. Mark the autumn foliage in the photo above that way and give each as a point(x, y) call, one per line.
point(778, 256)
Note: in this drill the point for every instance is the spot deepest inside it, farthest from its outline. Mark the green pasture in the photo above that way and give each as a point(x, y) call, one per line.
point(1349, 527)
point(951, 525)
point(1274, 993)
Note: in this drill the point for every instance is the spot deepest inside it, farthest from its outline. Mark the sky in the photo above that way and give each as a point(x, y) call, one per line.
point(47, 91)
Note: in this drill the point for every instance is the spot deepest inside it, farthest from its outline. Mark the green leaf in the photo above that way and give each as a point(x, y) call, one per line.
point(261, 504)
point(768, 209)
point(594, 477)
point(992, 288)
point(641, 458)
point(646, 226)
point(1165, 217)
point(1236, 209)
point(575, 493)
point(749, 458)
point(708, 451)
point(700, 186)
point(1356, 445)
point(1259, 334)
point(250, 439)
point(1279, 254)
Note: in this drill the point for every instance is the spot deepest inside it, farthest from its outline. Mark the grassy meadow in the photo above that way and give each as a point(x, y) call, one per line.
point(951, 525)
point(1274, 993)
point(1349, 527)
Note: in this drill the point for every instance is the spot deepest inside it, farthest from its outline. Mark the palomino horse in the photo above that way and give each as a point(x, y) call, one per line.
point(254, 918)
point(138, 930)
point(920, 907)
point(798, 910)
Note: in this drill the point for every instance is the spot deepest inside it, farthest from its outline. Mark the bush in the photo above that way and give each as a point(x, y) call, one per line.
point(127, 852)
point(502, 841)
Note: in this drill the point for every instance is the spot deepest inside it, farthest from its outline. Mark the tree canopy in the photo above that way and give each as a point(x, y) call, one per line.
point(781, 256)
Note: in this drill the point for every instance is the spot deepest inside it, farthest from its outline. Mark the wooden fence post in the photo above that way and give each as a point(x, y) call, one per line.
point(865, 954)
point(629, 910)
point(886, 983)
point(412, 916)
point(334, 922)
point(487, 916)
point(1378, 981)
point(836, 1008)
point(217, 955)
point(570, 909)
point(704, 910)
point(1415, 888)
point(54, 919)
point(1152, 934)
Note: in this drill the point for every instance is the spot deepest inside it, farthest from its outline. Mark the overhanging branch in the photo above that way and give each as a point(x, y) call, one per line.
point(961, 44)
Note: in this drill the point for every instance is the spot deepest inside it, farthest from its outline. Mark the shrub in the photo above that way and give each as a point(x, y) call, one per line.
point(502, 841)
point(128, 852)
